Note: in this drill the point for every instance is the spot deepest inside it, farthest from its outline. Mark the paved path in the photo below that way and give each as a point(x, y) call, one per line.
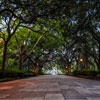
point(50, 88)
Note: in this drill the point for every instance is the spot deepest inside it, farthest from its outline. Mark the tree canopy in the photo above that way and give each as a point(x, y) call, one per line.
point(35, 33)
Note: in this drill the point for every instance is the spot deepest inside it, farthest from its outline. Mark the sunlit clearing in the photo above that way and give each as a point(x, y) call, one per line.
point(54, 72)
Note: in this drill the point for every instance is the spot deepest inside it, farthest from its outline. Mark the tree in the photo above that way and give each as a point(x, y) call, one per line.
point(21, 52)
point(10, 31)
point(16, 13)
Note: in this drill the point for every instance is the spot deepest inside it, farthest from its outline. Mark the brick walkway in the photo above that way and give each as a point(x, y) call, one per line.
point(50, 88)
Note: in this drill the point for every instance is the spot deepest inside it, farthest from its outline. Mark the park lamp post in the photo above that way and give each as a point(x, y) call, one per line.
point(37, 64)
point(66, 68)
point(1, 40)
point(81, 59)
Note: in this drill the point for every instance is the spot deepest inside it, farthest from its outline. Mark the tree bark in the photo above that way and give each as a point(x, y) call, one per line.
point(21, 52)
point(77, 65)
point(40, 70)
point(98, 67)
point(20, 62)
point(35, 69)
point(69, 69)
point(85, 64)
point(99, 59)
point(4, 56)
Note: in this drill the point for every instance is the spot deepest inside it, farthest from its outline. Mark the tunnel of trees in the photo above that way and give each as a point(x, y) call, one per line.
point(37, 35)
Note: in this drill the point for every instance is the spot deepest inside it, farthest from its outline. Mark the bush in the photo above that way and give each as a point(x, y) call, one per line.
point(61, 73)
point(12, 73)
point(44, 73)
point(89, 73)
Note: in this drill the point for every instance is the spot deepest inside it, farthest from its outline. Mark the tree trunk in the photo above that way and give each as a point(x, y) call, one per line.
point(98, 65)
point(20, 61)
point(77, 64)
point(85, 64)
point(40, 70)
point(4, 56)
point(69, 69)
point(35, 69)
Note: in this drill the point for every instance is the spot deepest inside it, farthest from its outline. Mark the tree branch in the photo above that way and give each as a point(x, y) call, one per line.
point(25, 46)
point(18, 45)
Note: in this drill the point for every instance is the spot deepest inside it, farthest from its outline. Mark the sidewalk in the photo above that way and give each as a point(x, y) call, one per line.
point(50, 87)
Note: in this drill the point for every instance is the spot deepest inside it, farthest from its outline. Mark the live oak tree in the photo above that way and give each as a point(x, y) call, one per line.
point(76, 21)
point(21, 11)
point(21, 52)
point(30, 40)
point(91, 26)
point(10, 31)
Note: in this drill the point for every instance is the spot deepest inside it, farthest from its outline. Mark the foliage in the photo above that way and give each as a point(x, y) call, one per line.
point(62, 32)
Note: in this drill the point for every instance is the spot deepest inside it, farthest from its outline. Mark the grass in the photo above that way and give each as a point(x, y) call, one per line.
point(44, 73)
point(61, 73)
point(88, 70)
point(16, 70)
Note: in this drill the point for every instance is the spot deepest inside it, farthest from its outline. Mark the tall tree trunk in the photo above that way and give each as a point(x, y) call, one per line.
point(98, 65)
point(35, 69)
point(69, 69)
point(4, 56)
point(20, 62)
point(99, 59)
point(77, 64)
point(40, 69)
point(86, 64)
point(20, 51)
